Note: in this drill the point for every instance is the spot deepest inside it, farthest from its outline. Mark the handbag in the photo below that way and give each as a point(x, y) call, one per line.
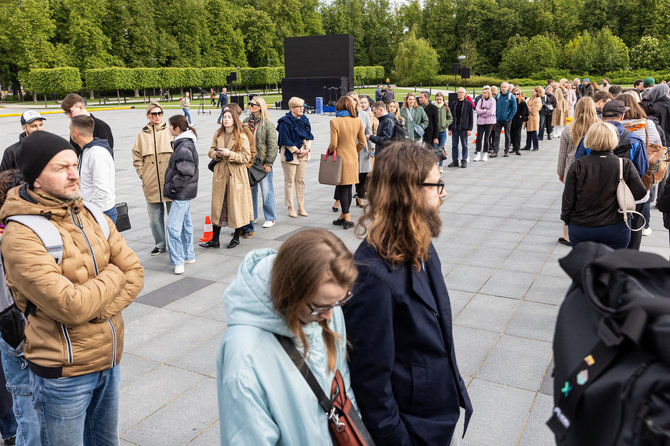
point(440, 152)
point(122, 219)
point(211, 164)
point(659, 159)
point(330, 171)
point(256, 172)
point(626, 200)
point(345, 425)
point(417, 128)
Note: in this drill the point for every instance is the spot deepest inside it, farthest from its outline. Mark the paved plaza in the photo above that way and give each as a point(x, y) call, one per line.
point(499, 255)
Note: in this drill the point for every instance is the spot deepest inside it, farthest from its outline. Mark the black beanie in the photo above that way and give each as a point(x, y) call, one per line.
point(36, 150)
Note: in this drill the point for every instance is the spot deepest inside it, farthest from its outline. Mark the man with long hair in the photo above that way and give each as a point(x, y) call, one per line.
point(402, 360)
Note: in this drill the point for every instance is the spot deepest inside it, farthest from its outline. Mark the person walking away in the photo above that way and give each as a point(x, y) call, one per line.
point(295, 142)
point(222, 102)
point(151, 154)
point(415, 118)
point(486, 117)
point(74, 330)
point(506, 105)
point(401, 308)
point(181, 186)
point(460, 128)
point(265, 136)
point(518, 121)
point(185, 103)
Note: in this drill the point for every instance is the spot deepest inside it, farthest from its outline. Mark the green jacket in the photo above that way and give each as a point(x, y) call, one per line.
point(445, 118)
point(420, 119)
point(266, 141)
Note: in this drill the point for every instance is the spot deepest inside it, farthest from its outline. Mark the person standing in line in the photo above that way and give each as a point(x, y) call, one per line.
point(486, 117)
point(295, 142)
point(74, 105)
point(185, 103)
point(378, 93)
point(31, 121)
point(265, 136)
point(415, 118)
point(562, 104)
point(572, 99)
point(222, 102)
point(386, 129)
point(519, 120)
point(506, 105)
point(430, 137)
point(231, 194)
point(534, 109)
point(347, 139)
point(549, 106)
point(370, 127)
point(460, 128)
point(181, 186)
point(444, 120)
point(399, 323)
point(394, 109)
point(151, 155)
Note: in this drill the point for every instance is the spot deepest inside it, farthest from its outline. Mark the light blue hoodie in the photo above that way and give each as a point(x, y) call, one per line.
point(263, 398)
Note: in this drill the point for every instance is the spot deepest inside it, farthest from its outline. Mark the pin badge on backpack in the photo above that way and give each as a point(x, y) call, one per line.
point(566, 389)
point(589, 360)
point(582, 377)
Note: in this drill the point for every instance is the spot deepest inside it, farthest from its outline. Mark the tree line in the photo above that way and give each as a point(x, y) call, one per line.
point(498, 37)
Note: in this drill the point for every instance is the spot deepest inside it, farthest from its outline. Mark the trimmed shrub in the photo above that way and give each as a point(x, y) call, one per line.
point(53, 80)
point(114, 78)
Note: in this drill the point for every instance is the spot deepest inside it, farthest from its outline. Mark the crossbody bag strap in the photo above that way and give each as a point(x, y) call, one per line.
point(306, 373)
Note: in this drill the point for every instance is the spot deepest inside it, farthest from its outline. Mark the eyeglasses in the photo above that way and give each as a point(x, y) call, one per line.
point(253, 104)
point(439, 186)
point(156, 113)
point(516, 94)
point(322, 309)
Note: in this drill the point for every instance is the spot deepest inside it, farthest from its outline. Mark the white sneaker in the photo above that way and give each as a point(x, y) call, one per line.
point(190, 261)
point(441, 170)
point(478, 157)
point(269, 224)
point(179, 269)
point(646, 231)
point(485, 157)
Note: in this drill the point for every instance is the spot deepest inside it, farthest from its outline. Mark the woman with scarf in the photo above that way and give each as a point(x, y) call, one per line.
point(295, 141)
point(347, 138)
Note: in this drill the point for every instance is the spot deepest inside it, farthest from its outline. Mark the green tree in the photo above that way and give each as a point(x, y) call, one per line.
point(225, 43)
point(600, 53)
point(438, 24)
point(348, 17)
point(377, 41)
point(648, 54)
point(523, 57)
point(416, 60)
point(130, 26)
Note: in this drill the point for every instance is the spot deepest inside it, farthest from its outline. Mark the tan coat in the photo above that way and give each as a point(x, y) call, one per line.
point(344, 133)
point(151, 154)
point(231, 178)
point(534, 107)
point(77, 325)
point(252, 144)
point(562, 107)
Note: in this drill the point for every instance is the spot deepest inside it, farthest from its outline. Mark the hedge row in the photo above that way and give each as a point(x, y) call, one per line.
point(56, 80)
point(369, 74)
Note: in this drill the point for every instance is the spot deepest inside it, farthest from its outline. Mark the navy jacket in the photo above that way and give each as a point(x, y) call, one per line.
point(402, 360)
point(181, 176)
point(385, 132)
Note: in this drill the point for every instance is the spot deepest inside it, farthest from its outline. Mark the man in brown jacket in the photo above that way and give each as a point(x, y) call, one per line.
point(74, 330)
point(151, 155)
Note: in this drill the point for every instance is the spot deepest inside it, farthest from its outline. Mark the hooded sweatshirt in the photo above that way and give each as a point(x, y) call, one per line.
point(263, 398)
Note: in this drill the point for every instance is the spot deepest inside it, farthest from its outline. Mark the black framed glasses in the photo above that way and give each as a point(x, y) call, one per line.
point(156, 113)
point(439, 186)
point(316, 310)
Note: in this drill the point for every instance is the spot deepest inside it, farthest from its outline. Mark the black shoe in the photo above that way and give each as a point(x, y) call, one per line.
point(493, 155)
point(464, 164)
point(335, 209)
point(339, 222)
point(540, 139)
point(506, 154)
point(525, 148)
point(454, 164)
point(516, 152)
point(347, 224)
point(156, 251)
point(535, 150)
point(210, 244)
point(563, 241)
point(10, 441)
point(549, 137)
point(233, 243)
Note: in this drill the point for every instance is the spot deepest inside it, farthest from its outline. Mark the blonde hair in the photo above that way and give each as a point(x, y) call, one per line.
point(585, 116)
point(295, 102)
point(153, 105)
point(357, 102)
point(263, 106)
point(601, 137)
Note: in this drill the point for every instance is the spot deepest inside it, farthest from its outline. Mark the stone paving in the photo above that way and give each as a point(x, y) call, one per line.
point(499, 255)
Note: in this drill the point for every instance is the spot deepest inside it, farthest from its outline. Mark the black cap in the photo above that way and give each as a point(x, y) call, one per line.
point(614, 108)
point(36, 150)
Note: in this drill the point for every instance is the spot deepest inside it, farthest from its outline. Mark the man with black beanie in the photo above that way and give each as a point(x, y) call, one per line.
point(74, 333)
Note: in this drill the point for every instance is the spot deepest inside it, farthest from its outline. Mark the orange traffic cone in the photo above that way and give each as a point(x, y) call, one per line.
point(475, 141)
point(502, 130)
point(207, 233)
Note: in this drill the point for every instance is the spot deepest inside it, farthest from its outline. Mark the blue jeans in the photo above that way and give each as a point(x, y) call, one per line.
point(268, 194)
point(180, 232)
point(20, 384)
point(112, 214)
point(615, 236)
point(157, 222)
point(442, 141)
point(187, 113)
point(79, 407)
point(456, 136)
point(218, 121)
point(8, 425)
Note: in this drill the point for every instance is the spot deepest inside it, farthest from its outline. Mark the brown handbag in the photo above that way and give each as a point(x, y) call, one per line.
point(659, 159)
point(330, 171)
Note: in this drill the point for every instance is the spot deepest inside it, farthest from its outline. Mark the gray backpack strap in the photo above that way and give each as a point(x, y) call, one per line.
point(45, 230)
point(99, 217)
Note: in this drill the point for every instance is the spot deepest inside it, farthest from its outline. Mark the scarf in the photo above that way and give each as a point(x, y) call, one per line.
point(342, 113)
point(253, 123)
point(293, 132)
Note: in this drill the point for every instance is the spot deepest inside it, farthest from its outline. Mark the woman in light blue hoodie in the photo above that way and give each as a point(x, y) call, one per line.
point(296, 292)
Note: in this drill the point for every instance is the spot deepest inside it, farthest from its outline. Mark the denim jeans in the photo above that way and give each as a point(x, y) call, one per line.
point(441, 142)
point(8, 425)
point(187, 113)
point(616, 236)
point(20, 384)
point(157, 222)
point(268, 194)
point(462, 136)
point(79, 407)
point(112, 213)
point(180, 232)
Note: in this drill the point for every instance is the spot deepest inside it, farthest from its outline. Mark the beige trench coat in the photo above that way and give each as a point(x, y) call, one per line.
point(562, 107)
point(231, 178)
point(534, 106)
point(151, 154)
point(347, 138)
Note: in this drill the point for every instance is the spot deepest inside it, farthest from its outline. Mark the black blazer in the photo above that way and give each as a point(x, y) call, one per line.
point(466, 120)
point(433, 123)
point(402, 360)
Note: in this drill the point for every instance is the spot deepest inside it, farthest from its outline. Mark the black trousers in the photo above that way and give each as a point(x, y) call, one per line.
point(343, 193)
point(360, 187)
point(636, 222)
point(484, 135)
point(516, 138)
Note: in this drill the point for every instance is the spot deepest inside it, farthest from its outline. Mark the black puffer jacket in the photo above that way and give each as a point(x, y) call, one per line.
point(181, 177)
point(663, 204)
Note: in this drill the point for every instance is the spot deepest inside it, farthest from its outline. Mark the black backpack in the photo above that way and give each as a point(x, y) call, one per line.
point(624, 146)
point(612, 349)
point(399, 133)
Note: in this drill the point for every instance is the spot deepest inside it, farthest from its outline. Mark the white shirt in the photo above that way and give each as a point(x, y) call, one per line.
point(97, 178)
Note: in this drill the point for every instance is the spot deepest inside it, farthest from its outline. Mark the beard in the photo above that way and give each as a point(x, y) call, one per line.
point(433, 220)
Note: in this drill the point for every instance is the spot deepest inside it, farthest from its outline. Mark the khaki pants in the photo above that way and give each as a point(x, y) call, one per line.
point(294, 173)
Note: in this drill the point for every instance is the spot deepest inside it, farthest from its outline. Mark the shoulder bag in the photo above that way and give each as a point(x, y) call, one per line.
point(417, 128)
point(345, 425)
point(256, 172)
point(122, 219)
point(626, 200)
point(659, 158)
point(330, 171)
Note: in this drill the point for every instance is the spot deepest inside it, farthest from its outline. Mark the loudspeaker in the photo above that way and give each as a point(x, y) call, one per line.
point(309, 88)
point(232, 77)
point(238, 99)
point(456, 68)
point(465, 73)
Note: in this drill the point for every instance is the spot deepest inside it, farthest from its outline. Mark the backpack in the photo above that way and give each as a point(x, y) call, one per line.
point(624, 146)
point(399, 133)
point(12, 321)
point(612, 363)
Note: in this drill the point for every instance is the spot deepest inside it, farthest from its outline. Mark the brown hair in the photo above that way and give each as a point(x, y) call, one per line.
point(601, 95)
point(9, 179)
point(348, 104)
point(70, 101)
point(539, 90)
point(585, 116)
point(235, 107)
point(180, 122)
point(304, 262)
point(83, 124)
point(392, 222)
point(634, 110)
point(404, 103)
point(237, 127)
point(380, 105)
